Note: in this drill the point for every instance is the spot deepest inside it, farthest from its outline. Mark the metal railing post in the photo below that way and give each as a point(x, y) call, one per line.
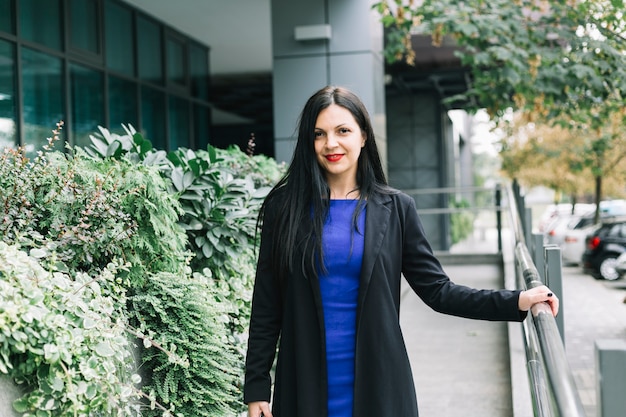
point(498, 202)
point(554, 280)
point(528, 226)
point(538, 254)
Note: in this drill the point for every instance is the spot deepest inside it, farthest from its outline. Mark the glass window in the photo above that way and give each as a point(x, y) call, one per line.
point(8, 137)
point(122, 104)
point(149, 51)
point(199, 71)
point(153, 117)
point(42, 84)
point(85, 25)
point(179, 123)
point(201, 126)
point(87, 103)
point(40, 21)
point(176, 62)
point(6, 16)
point(118, 23)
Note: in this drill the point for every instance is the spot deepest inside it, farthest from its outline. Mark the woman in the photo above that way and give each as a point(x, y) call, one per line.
point(335, 242)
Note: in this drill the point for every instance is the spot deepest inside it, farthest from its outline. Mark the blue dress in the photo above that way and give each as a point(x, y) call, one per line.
point(343, 254)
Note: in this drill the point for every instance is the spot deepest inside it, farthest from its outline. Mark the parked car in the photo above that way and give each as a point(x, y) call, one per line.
point(620, 265)
point(603, 247)
point(556, 211)
point(574, 240)
point(570, 231)
point(555, 231)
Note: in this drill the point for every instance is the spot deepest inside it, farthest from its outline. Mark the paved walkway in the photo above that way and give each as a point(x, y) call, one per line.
point(594, 310)
point(460, 366)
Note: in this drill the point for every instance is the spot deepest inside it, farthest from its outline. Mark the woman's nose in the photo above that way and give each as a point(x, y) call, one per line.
point(331, 141)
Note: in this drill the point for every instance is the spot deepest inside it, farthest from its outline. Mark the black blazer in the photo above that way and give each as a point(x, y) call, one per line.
point(395, 246)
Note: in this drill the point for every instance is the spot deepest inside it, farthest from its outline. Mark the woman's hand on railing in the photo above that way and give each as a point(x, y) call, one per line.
point(536, 295)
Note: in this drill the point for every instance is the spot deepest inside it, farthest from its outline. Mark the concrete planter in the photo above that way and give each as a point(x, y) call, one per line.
point(9, 392)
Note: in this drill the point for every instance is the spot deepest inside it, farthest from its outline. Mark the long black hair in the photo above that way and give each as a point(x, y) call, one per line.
point(299, 202)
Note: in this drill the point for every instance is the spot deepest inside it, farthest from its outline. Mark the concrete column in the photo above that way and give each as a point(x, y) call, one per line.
point(321, 42)
point(610, 376)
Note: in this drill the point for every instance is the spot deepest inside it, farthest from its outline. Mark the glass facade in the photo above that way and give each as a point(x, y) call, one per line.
point(40, 22)
point(153, 117)
point(198, 66)
point(7, 95)
point(123, 104)
point(42, 89)
point(95, 63)
point(176, 62)
point(86, 89)
point(120, 54)
point(178, 123)
point(84, 22)
point(6, 16)
point(150, 58)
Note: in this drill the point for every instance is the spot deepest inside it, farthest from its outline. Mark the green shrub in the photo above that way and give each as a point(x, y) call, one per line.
point(461, 223)
point(220, 192)
point(199, 375)
point(89, 211)
point(62, 338)
point(82, 213)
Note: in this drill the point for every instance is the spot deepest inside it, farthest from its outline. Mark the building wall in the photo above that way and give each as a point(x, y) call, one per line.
point(420, 156)
point(98, 63)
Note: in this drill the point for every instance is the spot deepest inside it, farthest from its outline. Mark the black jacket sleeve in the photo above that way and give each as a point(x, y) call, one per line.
point(265, 322)
point(426, 277)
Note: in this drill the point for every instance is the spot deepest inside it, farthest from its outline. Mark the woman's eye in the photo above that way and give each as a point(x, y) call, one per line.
point(344, 130)
point(319, 134)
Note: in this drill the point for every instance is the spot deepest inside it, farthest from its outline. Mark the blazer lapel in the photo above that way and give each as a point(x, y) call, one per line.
point(376, 224)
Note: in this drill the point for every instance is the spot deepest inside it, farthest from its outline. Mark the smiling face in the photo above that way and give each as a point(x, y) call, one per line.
point(338, 144)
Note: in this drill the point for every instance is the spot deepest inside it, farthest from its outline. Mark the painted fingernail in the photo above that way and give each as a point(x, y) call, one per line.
point(550, 294)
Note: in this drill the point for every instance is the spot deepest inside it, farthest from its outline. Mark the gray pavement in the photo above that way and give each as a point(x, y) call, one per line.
point(461, 367)
point(594, 310)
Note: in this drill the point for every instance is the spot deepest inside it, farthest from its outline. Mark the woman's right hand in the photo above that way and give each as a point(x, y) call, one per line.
point(259, 408)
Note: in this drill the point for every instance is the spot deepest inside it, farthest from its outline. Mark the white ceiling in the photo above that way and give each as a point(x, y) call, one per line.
point(237, 31)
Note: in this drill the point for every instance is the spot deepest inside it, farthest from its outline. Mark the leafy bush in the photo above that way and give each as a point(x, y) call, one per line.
point(83, 213)
point(62, 338)
point(199, 374)
point(90, 211)
point(461, 223)
point(220, 192)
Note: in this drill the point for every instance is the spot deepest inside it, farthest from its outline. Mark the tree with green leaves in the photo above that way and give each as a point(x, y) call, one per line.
point(558, 63)
point(535, 154)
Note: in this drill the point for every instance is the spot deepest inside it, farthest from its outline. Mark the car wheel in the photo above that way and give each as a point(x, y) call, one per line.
point(607, 268)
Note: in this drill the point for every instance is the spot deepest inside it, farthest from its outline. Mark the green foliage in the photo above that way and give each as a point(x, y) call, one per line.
point(220, 192)
point(82, 213)
point(461, 223)
point(551, 58)
point(63, 339)
point(200, 376)
point(90, 211)
point(219, 207)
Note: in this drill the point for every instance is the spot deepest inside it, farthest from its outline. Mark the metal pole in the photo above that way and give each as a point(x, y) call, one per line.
point(554, 279)
point(499, 215)
point(538, 254)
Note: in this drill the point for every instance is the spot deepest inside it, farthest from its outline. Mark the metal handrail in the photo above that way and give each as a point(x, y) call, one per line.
point(553, 389)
